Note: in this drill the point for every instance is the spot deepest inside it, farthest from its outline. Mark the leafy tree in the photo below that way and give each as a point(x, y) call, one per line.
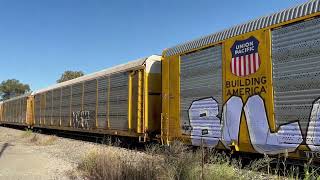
point(11, 88)
point(68, 75)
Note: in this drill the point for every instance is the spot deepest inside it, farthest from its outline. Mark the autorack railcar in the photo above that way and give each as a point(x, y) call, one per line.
point(252, 88)
point(123, 100)
point(14, 111)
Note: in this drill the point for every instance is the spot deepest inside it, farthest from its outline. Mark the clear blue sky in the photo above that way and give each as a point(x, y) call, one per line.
point(40, 39)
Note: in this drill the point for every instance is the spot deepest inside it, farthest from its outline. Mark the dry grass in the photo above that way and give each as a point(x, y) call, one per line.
point(48, 140)
point(109, 164)
point(173, 162)
point(38, 139)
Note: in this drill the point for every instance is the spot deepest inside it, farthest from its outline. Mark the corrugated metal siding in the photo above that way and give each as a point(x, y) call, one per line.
point(89, 100)
point(119, 101)
point(7, 113)
point(42, 111)
point(83, 97)
point(37, 109)
point(76, 97)
point(23, 107)
point(200, 77)
point(76, 105)
point(296, 71)
point(103, 88)
point(56, 107)
point(48, 108)
point(14, 110)
point(132, 65)
point(307, 8)
point(65, 106)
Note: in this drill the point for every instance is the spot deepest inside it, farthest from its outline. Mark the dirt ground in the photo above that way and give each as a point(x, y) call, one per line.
point(20, 158)
point(31, 156)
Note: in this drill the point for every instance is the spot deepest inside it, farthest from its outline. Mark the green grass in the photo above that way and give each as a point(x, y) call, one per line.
point(26, 133)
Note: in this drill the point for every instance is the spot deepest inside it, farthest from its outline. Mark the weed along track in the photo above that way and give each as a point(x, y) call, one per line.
point(252, 89)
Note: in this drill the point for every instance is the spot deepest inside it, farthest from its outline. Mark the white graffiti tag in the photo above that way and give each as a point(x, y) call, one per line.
point(313, 134)
point(203, 118)
point(80, 119)
point(204, 122)
point(287, 139)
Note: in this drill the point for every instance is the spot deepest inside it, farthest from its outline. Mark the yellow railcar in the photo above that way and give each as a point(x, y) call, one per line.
point(1, 111)
point(16, 111)
point(252, 88)
point(123, 100)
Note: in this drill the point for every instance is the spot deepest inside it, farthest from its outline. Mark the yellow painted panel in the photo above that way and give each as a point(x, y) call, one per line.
point(153, 103)
point(145, 101)
point(174, 98)
point(140, 103)
point(249, 79)
point(30, 110)
point(130, 89)
point(165, 100)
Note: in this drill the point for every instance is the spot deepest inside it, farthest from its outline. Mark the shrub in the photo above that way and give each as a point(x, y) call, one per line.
point(26, 133)
point(108, 164)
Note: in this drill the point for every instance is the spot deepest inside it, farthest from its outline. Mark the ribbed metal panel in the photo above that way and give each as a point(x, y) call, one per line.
point(18, 111)
point(56, 107)
point(65, 106)
point(13, 112)
point(43, 110)
point(14, 115)
point(23, 110)
point(103, 88)
point(6, 109)
point(89, 100)
point(132, 65)
point(10, 111)
point(119, 101)
point(307, 8)
point(200, 77)
point(76, 99)
point(296, 71)
point(37, 109)
point(48, 108)
point(14, 109)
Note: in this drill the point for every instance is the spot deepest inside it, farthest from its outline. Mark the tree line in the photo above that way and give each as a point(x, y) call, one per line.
point(12, 87)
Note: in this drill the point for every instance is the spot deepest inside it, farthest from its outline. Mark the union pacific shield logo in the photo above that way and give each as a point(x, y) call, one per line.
point(245, 57)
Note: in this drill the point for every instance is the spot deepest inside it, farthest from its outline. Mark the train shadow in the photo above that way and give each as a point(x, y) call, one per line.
point(4, 147)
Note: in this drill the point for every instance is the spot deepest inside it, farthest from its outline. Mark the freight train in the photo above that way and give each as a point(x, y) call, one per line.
point(252, 88)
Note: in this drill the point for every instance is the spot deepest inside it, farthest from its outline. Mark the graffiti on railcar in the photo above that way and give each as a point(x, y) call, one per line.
point(203, 116)
point(313, 137)
point(82, 119)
